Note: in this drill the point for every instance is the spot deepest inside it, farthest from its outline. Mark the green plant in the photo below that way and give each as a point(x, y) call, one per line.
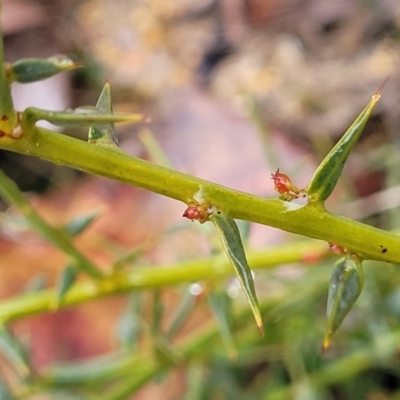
point(300, 211)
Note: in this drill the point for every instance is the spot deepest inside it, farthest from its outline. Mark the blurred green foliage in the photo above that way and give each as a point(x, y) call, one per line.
point(222, 356)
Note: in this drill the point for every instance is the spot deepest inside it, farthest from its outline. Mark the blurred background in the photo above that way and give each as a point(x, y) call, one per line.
point(235, 89)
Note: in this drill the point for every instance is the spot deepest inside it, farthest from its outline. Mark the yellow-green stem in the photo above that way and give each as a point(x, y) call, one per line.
point(310, 220)
point(145, 277)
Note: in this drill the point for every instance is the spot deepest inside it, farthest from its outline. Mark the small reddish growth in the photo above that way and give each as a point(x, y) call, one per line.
point(284, 185)
point(337, 249)
point(197, 212)
point(192, 212)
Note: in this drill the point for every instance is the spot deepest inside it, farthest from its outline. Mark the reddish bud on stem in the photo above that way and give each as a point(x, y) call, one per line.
point(197, 212)
point(284, 185)
point(337, 249)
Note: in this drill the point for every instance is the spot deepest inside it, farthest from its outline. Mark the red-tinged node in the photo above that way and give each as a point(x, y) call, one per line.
point(192, 212)
point(283, 184)
point(197, 212)
point(337, 249)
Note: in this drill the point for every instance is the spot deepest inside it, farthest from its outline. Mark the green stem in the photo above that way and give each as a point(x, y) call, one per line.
point(310, 220)
point(11, 194)
point(213, 268)
point(199, 344)
point(135, 370)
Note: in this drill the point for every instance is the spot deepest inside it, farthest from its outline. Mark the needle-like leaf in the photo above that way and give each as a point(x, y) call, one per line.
point(328, 172)
point(81, 223)
point(65, 282)
point(78, 117)
point(35, 69)
point(104, 135)
point(232, 243)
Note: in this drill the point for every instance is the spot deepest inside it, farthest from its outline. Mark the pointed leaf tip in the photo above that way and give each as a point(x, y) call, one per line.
point(35, 69)
point(328, 172)
point(82, 222)
point(326, 344)
point(104, 102)
point(232, 244)
point(66, 280)
point(79, 117)
point(259, 323)
point(327, 341)
point(378, 93)
point(104, 135)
